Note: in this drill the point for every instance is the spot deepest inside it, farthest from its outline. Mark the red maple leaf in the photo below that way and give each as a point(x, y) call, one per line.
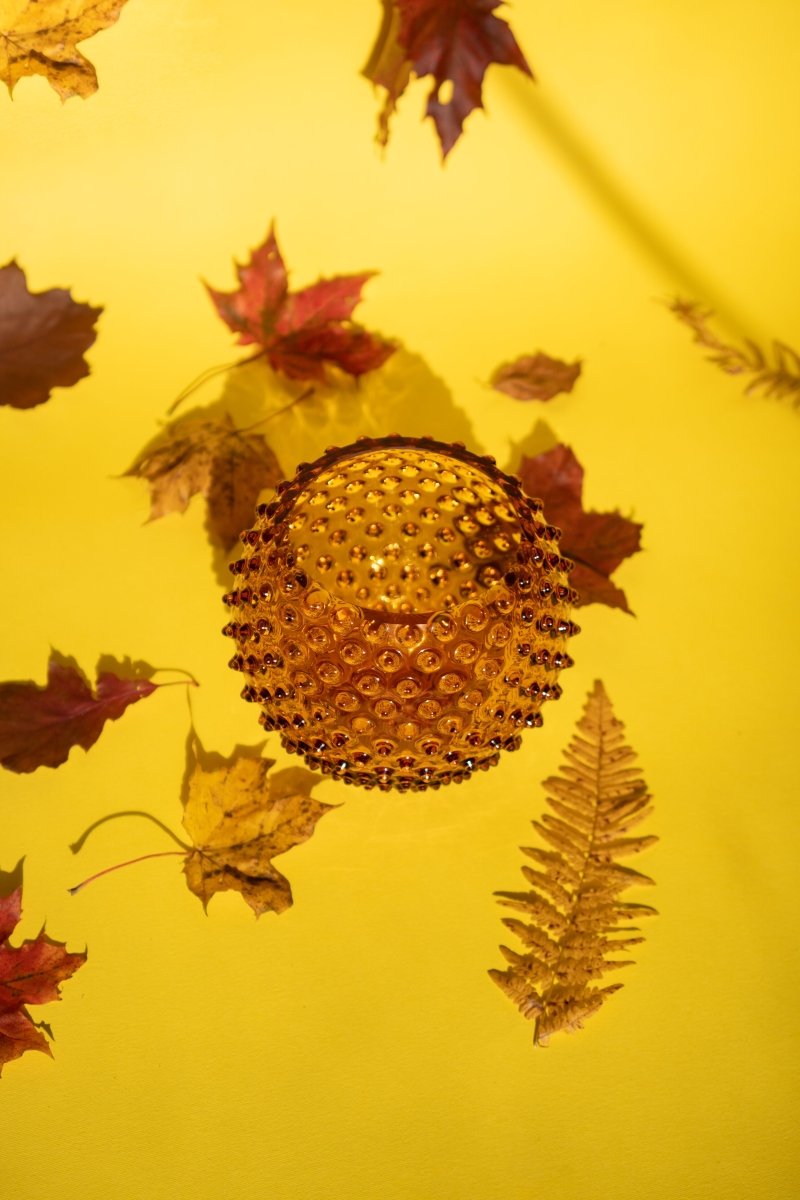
point(29, 974)
point(40, 725)
point(454, 41)
point(43, 337)
point(597, 542)
point(300, 332)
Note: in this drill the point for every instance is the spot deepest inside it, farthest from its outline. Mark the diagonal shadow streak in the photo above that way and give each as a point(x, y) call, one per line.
point(541, 112)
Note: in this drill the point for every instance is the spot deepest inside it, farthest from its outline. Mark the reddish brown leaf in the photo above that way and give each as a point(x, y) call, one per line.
point(454, 41)
point(43, 337)
point(536, 377)
point(42, 40)
point(197, 454)
point(29, 974)
point(300, 332)
point(596, 542)
point(40, 725)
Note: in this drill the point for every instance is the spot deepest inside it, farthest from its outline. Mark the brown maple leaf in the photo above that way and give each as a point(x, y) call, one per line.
point(573, 908)
point(778, 377)
point(43, 337)
point(42, 40)
point(40, 725)
point(198, 454)
point(29, 974)
point(535, 377)
point(597, 542)
point(454, 41)
point(300, 332)
point(239, 817)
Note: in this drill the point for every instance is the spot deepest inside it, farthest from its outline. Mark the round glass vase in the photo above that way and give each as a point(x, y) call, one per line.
point(401, 613)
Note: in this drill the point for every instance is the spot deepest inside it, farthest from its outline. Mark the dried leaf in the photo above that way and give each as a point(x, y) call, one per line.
point(596, 542)
point(43, 337)
point(239, 817)
point(300, 332)
point(575, 915)
point(29, 974)
point(42, 40)
point(779, 377)
point(40, 725)
point(196, 454)
point(454, 41)
point(535, 377)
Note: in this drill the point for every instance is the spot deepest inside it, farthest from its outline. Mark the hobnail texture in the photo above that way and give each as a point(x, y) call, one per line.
point(401, 613)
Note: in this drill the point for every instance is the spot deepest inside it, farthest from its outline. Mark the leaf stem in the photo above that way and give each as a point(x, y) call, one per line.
point(210, 373)
point(180, 671)
point(118, 867)
point(128, 812)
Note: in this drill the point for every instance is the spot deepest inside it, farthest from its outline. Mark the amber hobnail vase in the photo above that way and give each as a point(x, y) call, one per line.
point(401, 613)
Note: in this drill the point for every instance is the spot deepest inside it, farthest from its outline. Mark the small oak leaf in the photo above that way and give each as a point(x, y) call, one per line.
point(42, 40)
point(301, 333)
point(43, 337)
point(40, 725)
point(535, 377)
point(597, 542)
point(239, 817)
point(574, 914)
point(454, 41)
point(210, 456)
point(29, 974)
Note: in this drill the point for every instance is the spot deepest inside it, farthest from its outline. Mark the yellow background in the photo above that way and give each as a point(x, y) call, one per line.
point(354, 1047)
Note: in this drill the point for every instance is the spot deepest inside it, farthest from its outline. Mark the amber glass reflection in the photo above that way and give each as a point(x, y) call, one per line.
point(401, 613)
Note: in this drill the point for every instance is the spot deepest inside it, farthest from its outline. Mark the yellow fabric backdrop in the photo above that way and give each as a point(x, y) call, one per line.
point(354, 1047)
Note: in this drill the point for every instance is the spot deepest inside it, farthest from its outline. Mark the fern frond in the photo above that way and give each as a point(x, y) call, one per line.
point(778, 376)
point(575, 919)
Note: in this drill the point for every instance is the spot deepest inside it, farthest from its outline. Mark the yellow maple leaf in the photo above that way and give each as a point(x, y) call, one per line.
point(40, 37)
point(239, 818)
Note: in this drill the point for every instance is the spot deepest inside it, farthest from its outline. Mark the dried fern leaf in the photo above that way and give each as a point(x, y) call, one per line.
point(575, 919)
point(778, 375)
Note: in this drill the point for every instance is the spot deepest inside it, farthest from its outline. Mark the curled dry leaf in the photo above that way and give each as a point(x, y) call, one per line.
point(239, 817)
point(574, 914)
point(29, 974)
point(775, 373)
point(40, 725)
point(597, 542)
point(41, 39)
point(300, 332)
point(454, 41)
point(535, 377)
point(197, 454)
point(43, 337)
